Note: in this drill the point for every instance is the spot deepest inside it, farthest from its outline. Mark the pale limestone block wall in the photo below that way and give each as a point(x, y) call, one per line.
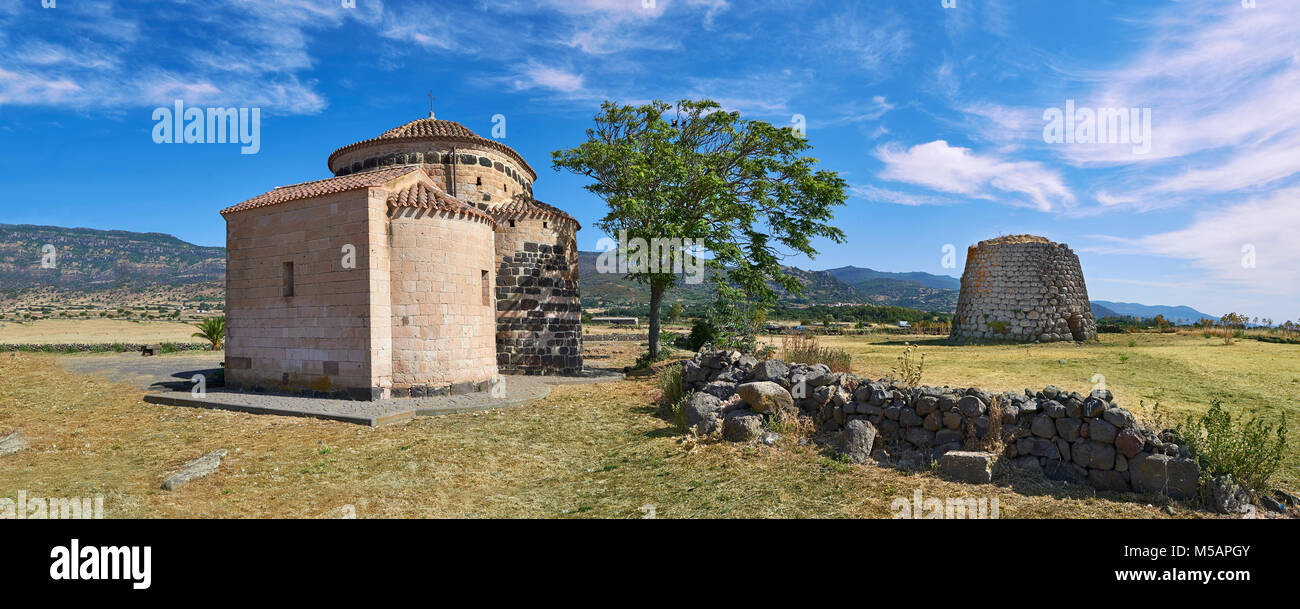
point(443, 323)
point(1026, 289)
point(319, 339)
point(539, 312)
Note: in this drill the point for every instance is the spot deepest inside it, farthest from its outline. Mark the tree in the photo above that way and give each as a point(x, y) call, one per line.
point(676, 311)
point(213, 330)
point(743, 188)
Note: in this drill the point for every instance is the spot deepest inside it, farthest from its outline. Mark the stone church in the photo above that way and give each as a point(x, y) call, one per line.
point(423, 267)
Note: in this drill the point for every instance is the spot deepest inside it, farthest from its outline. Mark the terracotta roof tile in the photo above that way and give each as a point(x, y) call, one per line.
point(306, 190)
point(420, 194)
point(430, 128)
point(532, 208)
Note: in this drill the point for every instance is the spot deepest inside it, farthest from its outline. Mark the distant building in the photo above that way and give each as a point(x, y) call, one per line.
point(904, 324)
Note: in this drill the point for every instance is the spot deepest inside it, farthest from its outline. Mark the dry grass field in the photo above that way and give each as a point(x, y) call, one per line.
point(585, 451)
point(62, 331)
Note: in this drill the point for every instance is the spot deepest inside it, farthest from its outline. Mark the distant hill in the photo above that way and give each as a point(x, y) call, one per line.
point(611, 289)
point(92, 260)
point(1175, 314)
point(910, 294)
point(1099, 311)
point(853, 275)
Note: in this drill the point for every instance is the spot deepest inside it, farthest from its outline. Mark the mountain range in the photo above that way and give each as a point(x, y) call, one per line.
point(1178, 314)
point(90, 261)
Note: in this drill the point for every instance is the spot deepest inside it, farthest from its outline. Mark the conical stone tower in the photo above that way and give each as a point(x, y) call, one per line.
point(1023, 288)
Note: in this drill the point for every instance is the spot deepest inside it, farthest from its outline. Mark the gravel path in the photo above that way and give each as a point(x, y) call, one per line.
point(168, 372)
point(167, 379)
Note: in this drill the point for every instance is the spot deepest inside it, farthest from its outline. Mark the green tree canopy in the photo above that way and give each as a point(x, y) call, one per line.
point(744, 188)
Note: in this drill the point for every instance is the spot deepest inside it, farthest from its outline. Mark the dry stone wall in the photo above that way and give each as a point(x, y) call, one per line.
point(1023, 288)
point(1085, 439)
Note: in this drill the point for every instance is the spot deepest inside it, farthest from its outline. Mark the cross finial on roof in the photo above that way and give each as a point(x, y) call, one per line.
point(431, 98)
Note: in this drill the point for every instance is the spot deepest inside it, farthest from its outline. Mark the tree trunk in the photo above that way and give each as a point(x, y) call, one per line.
point(656, 299)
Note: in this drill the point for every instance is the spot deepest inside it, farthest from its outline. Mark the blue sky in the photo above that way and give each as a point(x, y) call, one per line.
point(934, 115)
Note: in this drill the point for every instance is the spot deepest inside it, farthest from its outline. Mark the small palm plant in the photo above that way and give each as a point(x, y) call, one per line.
point(213, 330)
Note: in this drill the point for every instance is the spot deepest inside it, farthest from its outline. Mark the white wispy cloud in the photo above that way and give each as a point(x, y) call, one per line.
point(875, 194)
point(950, 169)
point(1225, 242)
point(874, 40)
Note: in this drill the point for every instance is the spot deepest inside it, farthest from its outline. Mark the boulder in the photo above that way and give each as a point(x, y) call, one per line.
point(1129, 442)
point(765, 396)
point(1043, 426)
point(857, 440)
point(1068, 429)
point(194, 470)
point(967, 466)
point(909, 418)
point(947, 436)
point(1010, 412)
point(1102, 456)
point(12, 443)
point(1093, 407)
point(703, 413)
point(1102, 431)
point(771, 370)
point(951, 420)
point(1107, 480)
point(1163, 474)
point(1063, 447)
point(1053, 409)
point(1055, 469)
point(926, 404)
point(742, 425)
point(933, 422)
point(971, 406)
point(1040, 447)
point(919, 437)
point(1225, 496)
point(693, 373)
point(1119, 417)
point(821, 379)
point(1051, 392)
point(722, 389)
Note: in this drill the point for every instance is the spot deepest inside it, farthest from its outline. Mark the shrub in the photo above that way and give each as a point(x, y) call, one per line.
point(670, 385)
point(645, 360)
point(672, 397)
point(910, 367)
point(804, 349)
point(1249, 450)
point(169, 347)
point(702, 333)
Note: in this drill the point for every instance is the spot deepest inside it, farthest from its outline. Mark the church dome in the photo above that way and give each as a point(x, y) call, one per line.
point(414, 136)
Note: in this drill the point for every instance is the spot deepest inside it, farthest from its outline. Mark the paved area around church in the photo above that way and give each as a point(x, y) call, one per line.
point(166, 379)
